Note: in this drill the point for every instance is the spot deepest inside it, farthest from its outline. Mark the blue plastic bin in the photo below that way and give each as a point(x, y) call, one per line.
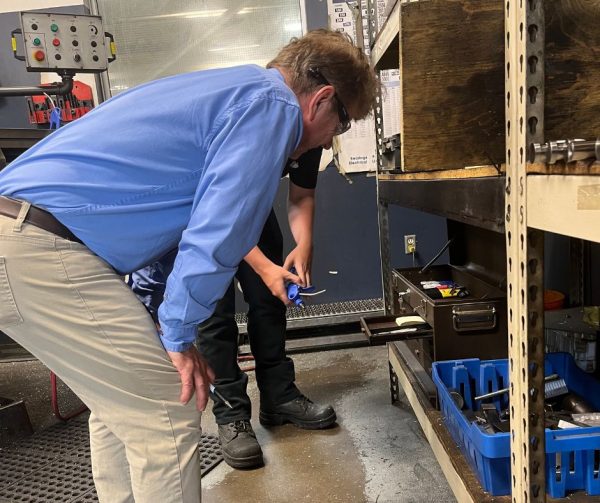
point(572, 456)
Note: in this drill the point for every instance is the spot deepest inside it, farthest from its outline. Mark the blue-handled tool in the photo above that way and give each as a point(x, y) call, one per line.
point(55, 118)
point(294, 291)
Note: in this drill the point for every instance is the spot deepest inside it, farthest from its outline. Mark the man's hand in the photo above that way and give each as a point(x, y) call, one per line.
point(195, 375)
point(275, 278)
point(301, 259)
point(272, 275)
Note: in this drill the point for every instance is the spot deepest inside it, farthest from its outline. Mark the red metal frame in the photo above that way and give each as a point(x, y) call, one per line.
point(54, 401)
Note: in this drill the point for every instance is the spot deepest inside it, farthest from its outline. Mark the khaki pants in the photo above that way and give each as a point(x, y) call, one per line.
point(73, 312)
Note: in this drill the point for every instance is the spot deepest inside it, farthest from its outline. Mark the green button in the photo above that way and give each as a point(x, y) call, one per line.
point(36, 41)
point(54, 27)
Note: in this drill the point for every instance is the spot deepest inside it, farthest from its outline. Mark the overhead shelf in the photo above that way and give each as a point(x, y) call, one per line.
point(385, 52)
point(474, 201)
point(565, 204)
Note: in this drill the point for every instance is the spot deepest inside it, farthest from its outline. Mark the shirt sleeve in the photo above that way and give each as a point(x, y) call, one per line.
point(305, 175)
point(234, 196)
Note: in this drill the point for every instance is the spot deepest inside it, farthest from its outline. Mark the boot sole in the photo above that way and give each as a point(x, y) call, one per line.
point(255, 461)
point(273, 419)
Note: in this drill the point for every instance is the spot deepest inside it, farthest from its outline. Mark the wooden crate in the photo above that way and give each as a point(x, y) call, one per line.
point(452, 75)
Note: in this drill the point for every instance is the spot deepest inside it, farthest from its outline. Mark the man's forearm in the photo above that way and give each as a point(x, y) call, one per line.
point(257, 260)
point(301, 210)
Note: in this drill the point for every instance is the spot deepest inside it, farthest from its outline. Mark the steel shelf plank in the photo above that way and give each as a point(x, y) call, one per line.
point(568, 205)
point(475, 201)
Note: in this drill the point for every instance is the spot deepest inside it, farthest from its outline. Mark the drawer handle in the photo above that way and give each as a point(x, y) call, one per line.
point(471, 320)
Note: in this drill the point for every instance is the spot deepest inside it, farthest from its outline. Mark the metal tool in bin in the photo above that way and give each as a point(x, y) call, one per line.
point(554, 386)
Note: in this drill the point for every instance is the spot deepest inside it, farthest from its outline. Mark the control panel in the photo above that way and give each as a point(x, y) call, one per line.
point(64, 42)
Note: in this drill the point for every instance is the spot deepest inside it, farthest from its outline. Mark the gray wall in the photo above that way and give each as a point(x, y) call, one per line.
point(347, 236)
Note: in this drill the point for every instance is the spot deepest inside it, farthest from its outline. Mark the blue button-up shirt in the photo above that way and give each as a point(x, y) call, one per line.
point(191, 161)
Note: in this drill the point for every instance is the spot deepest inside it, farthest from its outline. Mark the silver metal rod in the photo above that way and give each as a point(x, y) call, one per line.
point(550, 377)
point(564, 150)
point(579, 150)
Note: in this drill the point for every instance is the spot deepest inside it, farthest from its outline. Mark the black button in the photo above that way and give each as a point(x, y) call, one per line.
point(34, 26)
point(77, 58)
point(73, 29)
point(75, 43)
point(95, 58)
point(94, 44)
point(58, 56)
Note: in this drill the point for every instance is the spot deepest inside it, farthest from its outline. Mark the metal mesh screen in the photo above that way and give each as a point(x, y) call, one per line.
point(332, 309)
point(55, 465)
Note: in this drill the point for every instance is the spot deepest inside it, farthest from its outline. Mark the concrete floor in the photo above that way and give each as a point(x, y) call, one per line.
point(377, 452)
point(30, 381)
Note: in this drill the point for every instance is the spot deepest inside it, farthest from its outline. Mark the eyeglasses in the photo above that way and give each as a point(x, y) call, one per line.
point(344, 116)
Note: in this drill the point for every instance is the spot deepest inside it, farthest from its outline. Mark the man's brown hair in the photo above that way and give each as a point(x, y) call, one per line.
point(338, 60)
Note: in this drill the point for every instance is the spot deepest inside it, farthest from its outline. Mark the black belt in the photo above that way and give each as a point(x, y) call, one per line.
point(38, 217)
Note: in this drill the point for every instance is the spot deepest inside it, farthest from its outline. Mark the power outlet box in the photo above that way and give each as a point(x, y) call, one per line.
point(410, 244)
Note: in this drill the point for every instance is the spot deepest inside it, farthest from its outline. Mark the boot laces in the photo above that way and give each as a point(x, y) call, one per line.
point(242, 425)
point(304, 401)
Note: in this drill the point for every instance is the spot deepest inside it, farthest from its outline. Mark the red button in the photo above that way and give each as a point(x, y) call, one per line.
point(39, 55)
point(56, 42)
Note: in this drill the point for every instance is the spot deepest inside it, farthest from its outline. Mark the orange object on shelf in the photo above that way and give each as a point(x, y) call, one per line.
point(553, 299)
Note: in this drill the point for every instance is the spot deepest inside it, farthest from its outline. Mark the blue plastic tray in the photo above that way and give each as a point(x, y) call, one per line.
point(572, 456)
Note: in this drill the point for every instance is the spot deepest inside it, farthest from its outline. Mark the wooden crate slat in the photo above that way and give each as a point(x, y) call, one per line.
point(452, 60)
point(452, 79)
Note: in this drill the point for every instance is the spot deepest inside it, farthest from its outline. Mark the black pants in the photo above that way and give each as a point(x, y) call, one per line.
point(218, 339)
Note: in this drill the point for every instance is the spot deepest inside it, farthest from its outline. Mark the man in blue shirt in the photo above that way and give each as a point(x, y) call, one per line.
point(189, 162)
point(280, 400)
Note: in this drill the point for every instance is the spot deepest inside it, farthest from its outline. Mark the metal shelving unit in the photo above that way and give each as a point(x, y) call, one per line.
point(522, 206)
point(384, 46)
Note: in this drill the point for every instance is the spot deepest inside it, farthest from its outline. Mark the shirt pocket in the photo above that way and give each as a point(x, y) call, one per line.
point(9, 313)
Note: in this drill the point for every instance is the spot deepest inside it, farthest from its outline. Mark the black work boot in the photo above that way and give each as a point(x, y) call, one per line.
point(239, 445)
point(301, 412)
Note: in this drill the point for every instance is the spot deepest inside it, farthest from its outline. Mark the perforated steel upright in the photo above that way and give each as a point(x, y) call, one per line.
point(389, 303)
point(524, 75)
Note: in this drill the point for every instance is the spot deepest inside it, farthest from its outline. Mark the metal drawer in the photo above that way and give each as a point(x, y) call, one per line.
point(471, 327)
